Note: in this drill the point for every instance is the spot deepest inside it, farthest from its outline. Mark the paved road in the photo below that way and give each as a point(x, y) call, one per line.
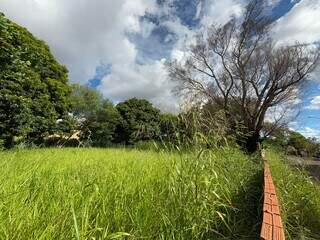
point(311, 165)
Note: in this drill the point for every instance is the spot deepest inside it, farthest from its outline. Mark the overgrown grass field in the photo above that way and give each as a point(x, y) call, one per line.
point(129, 194)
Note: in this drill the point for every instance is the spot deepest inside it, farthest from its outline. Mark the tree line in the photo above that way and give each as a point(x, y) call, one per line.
point(294, 143)
point(38, 105)
point(101, 123)
point(232, 76)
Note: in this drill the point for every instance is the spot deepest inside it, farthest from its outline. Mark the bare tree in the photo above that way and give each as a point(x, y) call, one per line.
point(242, 70)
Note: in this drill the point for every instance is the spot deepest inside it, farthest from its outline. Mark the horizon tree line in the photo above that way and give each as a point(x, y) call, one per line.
point(232, 76)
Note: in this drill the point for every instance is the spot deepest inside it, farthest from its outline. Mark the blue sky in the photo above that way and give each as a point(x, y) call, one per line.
point(120, 46)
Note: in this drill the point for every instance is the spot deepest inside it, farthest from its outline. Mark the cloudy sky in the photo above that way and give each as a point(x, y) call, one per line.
point(119, 46)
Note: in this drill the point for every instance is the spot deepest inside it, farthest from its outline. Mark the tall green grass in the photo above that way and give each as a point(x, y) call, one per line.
point(129, 194)
point(299, 198)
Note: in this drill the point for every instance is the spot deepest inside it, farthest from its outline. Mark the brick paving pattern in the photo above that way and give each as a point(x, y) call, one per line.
point(272, 228)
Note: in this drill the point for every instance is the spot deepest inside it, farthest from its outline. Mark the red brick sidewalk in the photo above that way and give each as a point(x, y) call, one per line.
point(272, 228)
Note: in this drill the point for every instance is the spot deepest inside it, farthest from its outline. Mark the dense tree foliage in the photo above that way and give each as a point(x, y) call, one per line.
point(140, 121)
point(169, 127)
point(96, 117)
point(100, 123)
point(295, 143)
point(303, 146)
point(33, 85)
point(85, 101)
point(100, 127)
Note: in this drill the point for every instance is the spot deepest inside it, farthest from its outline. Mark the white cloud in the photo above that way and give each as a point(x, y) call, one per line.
point(82, 33)
point(146, 28)
point(282, 114)
point(220, 12)
point(147, 81)
point(272, 2)
point(212, 12)
point(301, 24)
point(199, 10)
point(314, 103)
point(310, 132)
point(293, 125)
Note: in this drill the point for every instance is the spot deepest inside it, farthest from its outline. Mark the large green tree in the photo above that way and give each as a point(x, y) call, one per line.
point(100, 127)
point(33, 85)
point(141, 121)
point(96, 116)
point(85, 101)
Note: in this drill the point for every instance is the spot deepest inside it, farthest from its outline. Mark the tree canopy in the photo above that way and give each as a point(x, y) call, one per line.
point(97, 118)
point(85, 101)
point(103, 124)
point(33, 85)
point(303, 146)
point(140, 120)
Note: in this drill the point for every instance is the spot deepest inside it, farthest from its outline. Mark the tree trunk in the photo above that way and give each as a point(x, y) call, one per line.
point(8, 142)
point(252, 142)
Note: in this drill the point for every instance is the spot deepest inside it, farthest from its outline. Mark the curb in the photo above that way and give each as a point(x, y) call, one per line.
point(272, 228)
